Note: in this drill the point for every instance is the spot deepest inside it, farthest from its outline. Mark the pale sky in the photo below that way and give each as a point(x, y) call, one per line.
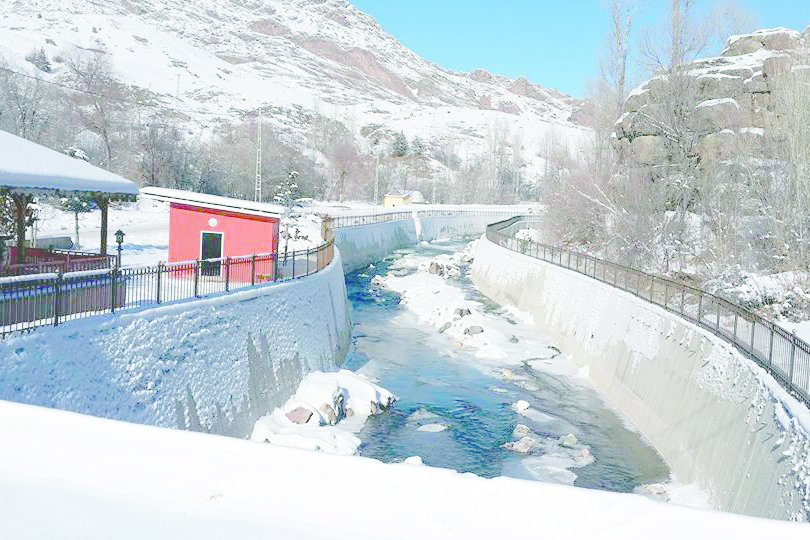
point(553, 43)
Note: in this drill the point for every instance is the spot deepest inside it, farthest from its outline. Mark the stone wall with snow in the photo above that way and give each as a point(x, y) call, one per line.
point(731, 96)
point(715, 417)
point(212, 364)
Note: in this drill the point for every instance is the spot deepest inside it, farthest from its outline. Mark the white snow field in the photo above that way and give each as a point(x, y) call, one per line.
point(64, 475)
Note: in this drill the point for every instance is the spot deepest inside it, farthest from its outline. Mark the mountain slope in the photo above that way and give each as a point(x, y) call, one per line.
point(213, 63)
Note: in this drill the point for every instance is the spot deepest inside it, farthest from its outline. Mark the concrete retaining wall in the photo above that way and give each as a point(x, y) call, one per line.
point(212, 364)
point(361, 245)
point(715, 417)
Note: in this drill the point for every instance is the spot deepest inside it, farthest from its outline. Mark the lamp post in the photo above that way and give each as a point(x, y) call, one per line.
point(119, 238)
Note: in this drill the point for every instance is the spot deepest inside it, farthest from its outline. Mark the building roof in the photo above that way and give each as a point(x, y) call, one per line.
point(214, 202)
point(29, 167)
point(415, 196)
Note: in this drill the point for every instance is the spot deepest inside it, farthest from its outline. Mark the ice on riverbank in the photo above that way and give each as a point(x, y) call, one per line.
point(325, 413)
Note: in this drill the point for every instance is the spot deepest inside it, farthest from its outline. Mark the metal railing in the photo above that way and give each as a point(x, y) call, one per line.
point(370, 219)
point(46, 299)
point(41, 261)
point(778, 351)
point(28, 302)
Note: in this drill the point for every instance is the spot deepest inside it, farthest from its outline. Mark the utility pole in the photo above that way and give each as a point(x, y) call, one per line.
point(258, 193)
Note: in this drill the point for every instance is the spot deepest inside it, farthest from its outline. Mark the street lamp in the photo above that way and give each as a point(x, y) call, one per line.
point(119, 238)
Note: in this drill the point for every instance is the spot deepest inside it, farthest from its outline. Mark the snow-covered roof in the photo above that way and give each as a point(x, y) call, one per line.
point(214, 202)
point(27, 166)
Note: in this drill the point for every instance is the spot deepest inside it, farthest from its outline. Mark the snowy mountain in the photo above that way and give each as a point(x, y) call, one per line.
point(208, 64)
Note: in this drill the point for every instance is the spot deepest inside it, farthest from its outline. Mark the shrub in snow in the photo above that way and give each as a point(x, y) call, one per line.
point(40, 59)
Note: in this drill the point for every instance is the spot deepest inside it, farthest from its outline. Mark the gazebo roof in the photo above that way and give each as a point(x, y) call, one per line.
point(29, 168)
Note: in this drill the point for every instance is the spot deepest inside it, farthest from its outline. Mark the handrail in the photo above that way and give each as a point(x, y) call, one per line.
point(778, 351)
point(48, 299)
point(28, 302)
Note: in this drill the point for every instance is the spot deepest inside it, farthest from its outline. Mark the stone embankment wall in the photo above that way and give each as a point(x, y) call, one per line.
point(714, 416)
point(212, 364)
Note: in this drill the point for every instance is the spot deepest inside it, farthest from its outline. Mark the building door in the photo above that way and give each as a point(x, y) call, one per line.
point(211, 249)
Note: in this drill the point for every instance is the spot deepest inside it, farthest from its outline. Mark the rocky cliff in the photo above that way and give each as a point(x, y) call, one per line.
point(730, 101)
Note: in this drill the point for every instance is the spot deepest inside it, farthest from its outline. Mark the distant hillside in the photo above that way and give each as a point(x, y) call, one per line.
point(312, 66)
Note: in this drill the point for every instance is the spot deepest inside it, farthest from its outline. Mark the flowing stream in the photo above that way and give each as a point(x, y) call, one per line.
point(459, 405)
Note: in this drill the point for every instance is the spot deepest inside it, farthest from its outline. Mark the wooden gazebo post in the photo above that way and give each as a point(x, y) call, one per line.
point(103, 203)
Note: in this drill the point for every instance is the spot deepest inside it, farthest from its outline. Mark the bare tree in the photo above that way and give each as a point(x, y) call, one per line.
point(99, 98)
point(24, 102)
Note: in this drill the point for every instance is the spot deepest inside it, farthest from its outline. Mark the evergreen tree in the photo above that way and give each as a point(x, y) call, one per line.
point(399, 147)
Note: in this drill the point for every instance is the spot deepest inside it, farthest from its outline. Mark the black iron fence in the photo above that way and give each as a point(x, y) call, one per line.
point(28, 302)
point(45, 299)
point(779, 351)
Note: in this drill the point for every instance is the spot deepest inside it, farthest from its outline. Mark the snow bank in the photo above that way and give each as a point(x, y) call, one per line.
point(65, 475)
point(213, 364)
point(324, 413)
point(716, 417)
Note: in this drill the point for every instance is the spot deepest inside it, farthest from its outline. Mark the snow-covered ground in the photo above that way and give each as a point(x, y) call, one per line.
point(64, 475)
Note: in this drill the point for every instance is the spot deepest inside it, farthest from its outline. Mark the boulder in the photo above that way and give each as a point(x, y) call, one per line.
point(299, 415)
point(756, 83)
point(521, 430)
point(716, 114)
point(508, 107)
point(329, 414)
point(445, 327)
point(779, 39)
point(462, 312)
point(569, 441)
point(523, 446)
point(751, 140)
point(719, 85)
point(641, 122)
point(775, 66)
point(717, 146)
point(648, 149)
point(742, 45)
point(472, 330)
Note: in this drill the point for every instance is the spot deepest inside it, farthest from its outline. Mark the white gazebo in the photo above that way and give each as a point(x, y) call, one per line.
point(28, 169)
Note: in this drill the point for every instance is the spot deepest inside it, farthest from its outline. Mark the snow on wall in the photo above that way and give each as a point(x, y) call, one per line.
point(212, 364)
point(714, 416)
point(364, 244)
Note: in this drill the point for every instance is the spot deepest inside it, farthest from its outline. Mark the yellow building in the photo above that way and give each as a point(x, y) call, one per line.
point(401, 198)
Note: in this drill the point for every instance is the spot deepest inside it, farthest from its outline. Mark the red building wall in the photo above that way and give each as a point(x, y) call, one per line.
point(242, 234)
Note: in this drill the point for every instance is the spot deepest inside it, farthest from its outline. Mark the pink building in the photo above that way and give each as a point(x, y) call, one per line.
point(212, 227)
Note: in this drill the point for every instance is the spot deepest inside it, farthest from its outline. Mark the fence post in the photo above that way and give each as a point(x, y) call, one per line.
point(293, 257)
point(770, 350)
point(113, 285)
point(700, 306)
point(159, 271)
point(197, 278)
point(57, 293)
point(736, 316)
point(666, 294)
point(792, 356)
point(683, 296)
point(253, 270)
point(227, 274)
point(753, 329)
point(652, 288)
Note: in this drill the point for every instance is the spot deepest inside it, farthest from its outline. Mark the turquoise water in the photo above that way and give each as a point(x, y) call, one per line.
point(439, 384)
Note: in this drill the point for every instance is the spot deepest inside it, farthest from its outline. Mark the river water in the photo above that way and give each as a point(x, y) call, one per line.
point(460, 404)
